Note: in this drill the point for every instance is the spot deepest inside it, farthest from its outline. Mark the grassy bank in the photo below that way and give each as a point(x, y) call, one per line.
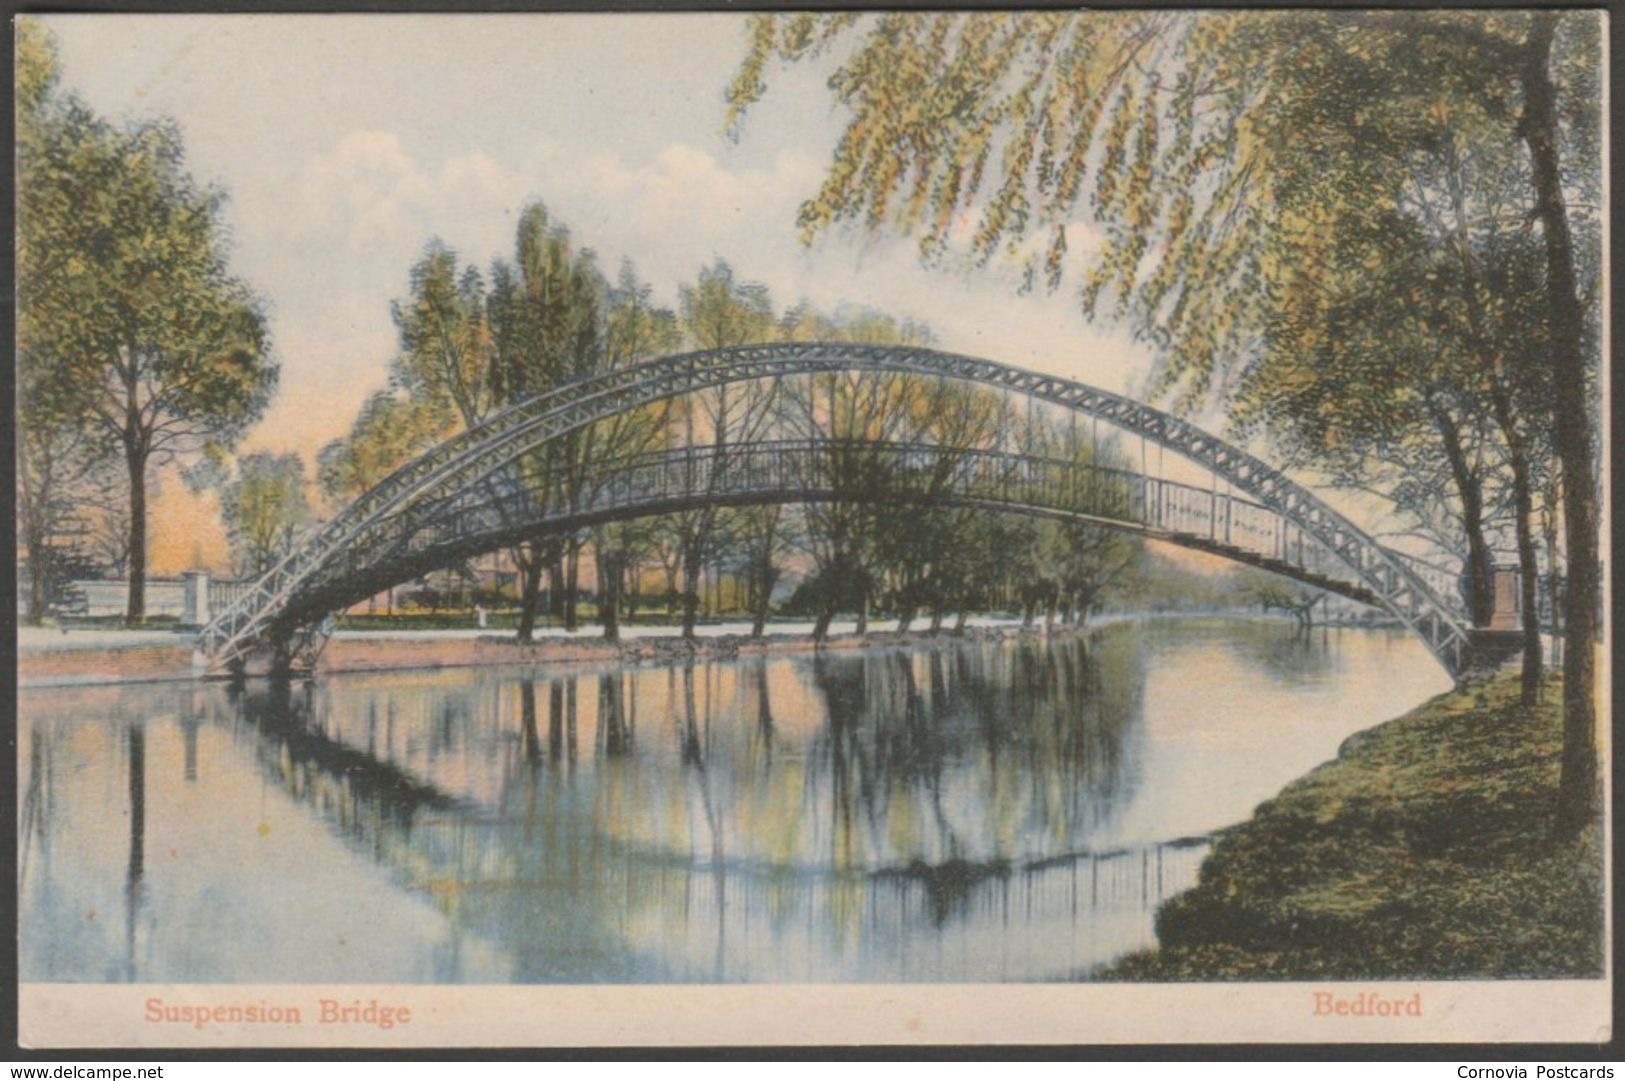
point(1423, 850)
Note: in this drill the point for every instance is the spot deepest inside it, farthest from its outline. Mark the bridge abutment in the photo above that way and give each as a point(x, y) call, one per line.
point(1488, 649)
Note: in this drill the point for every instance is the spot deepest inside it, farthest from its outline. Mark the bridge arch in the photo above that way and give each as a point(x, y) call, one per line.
point(399, 516)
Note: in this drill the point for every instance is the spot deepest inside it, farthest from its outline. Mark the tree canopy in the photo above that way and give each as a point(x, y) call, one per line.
point(1256, 194)
point(130, 323)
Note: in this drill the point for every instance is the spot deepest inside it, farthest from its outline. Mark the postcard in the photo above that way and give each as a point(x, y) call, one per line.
point(995, 527)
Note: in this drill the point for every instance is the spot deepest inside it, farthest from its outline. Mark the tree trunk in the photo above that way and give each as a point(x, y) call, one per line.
point(30, 508)
point(572, 567)
point(691, 587)
point(530, 595)
point(34, 535)
point(766, 577)
point(1548, 517)
point(555, 582)
point(135, 611)
point(863, 606)
point(1480, 572)
point(1577, 785)
point(671, 569)
point(826, 615)
point(937, 607)
point(1528, 570)
point(609, 589)
point(1523, 501)
point(829, 594)
point(961, 619)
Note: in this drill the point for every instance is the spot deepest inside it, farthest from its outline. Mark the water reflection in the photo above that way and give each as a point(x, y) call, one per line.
point(1008, 811)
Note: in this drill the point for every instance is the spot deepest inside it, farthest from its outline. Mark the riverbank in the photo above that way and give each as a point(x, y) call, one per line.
point(1423, 850)
point(92, 657)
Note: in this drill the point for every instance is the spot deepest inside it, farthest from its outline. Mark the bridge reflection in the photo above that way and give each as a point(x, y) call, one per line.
point(970, 811)
point(674, 824)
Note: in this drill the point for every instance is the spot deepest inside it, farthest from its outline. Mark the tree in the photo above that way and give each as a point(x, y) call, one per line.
point(1271, 592)
point(718, 311)
point(56, 445)
point(1204, 136)
point(126, 306)
point(546, 321)
point(265, 508)
point(634, 329)
point(1417, 404)
point(388, 432)
point(445, 358)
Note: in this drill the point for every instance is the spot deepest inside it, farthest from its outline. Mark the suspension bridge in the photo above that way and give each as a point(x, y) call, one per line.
point(479, 492)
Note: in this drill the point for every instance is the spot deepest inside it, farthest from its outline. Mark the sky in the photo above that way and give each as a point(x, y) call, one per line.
point(345, 143)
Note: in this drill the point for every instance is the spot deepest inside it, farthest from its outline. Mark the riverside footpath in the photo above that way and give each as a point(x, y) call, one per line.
point(59, 657)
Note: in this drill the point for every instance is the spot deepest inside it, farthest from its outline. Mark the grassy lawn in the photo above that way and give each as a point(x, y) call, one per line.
point(1424, 850)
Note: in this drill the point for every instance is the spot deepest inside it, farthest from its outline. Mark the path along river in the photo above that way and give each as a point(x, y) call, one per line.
point(964, 811)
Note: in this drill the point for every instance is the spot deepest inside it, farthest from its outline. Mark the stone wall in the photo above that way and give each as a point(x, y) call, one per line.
point(132, 664)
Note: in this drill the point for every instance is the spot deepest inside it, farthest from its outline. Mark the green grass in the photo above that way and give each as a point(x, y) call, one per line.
point(1424, 850)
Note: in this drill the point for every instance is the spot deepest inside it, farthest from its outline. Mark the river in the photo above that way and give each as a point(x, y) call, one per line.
point(964, 811)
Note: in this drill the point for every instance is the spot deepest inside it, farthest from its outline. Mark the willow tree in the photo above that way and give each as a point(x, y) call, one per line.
point(127, 310)
point(1180, 145)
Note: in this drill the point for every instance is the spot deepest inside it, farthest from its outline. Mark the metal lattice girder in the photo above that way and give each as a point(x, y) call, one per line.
point(806, 471)
point(480, 468)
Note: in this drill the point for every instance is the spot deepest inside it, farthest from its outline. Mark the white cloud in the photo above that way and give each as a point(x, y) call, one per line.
point(368, 193)
point(333, 250)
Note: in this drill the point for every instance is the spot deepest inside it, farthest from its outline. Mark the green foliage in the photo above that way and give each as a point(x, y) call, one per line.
point(1255, 181)
point(1204, 150)
point(388, 432)
point(265, 508)
point(125, 296)
point(134, 340)
point(721, 311)
point(445, 362)
point(546, 310)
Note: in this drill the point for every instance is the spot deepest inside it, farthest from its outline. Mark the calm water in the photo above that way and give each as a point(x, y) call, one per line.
point(992, 811)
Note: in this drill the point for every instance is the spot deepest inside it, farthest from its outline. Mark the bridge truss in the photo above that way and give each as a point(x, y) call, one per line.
point(473, 494)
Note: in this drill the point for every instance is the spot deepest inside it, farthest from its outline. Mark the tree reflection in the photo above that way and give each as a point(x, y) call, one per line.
point(1285, 652)
point(136, 868)
point(361, 793)
point(818, 800)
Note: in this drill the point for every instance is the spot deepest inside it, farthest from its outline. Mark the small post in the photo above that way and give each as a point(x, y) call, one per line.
point(1213, 507)
point(1507, 608)
point(1229, 510)
point(195, 598)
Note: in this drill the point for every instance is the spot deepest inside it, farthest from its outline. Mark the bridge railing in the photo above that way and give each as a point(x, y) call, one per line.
point(835, 469)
